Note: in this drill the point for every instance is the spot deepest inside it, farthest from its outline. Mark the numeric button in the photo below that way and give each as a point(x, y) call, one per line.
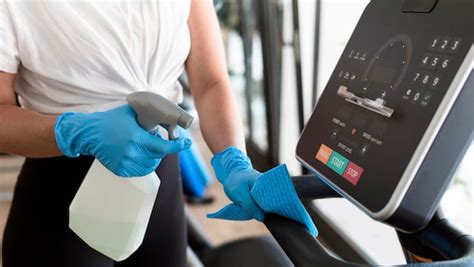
point(407, 94)
point(425, 61)
point(434, 62)
point(444, 44)
point(433, 84)
point(454, 46)
point(445, 63)
point(425, 79)
point(416, 97)
point(416, 77)
point(434, 43)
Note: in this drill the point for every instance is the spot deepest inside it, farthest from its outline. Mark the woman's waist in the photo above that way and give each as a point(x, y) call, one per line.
point(57, 100)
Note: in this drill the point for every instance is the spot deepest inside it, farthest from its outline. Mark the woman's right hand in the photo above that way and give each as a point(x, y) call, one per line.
point(115, 139)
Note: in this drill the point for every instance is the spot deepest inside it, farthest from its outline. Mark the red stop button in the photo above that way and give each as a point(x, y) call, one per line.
point(353, 173)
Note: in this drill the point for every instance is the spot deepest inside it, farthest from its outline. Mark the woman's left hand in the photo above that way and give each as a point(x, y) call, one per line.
point(234, 170)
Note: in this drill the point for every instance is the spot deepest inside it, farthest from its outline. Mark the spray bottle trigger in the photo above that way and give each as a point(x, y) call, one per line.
point(173, 132)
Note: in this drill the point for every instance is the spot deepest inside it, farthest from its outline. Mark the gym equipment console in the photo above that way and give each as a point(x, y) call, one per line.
point(396, 115)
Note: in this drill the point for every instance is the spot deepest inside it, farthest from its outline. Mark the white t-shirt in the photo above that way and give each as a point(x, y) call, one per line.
point(87, 55)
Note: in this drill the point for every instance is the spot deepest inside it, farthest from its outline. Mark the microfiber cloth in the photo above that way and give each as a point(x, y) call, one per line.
point(274, 193)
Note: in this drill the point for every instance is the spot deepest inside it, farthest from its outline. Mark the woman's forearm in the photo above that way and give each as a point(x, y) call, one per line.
point(221, 124)
point(27, 133)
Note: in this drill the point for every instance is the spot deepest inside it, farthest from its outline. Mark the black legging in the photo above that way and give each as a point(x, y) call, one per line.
point(37, 232)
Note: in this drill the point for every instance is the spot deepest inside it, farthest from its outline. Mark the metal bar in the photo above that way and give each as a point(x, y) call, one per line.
point(267, 14)
point(245, 29)
point(273, 92)
point(317, 28)
point(298, 69)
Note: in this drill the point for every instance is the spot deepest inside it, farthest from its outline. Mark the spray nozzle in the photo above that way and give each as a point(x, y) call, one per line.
point(154, 110)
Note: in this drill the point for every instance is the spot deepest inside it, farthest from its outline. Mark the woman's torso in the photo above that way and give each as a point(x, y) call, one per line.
point(88, 55)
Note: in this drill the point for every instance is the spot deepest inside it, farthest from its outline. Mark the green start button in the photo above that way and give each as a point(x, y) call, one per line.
point(337, 163)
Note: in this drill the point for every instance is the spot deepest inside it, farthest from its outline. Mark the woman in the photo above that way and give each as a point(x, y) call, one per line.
point(72, 63)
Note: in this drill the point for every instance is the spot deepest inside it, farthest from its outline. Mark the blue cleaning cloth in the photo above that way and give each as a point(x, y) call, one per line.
point(274, 193)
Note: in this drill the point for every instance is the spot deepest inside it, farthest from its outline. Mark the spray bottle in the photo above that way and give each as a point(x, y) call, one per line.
point(111, 213)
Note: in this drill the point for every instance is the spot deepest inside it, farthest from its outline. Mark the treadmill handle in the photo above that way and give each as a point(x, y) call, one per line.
point(310, 187)
point(304, 250)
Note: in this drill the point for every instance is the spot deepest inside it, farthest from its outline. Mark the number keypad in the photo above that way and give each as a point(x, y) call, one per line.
point(426, 80)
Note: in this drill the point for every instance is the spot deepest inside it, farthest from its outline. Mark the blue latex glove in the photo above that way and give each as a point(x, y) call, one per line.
point(116, 139)
point(234, 170)
point(274, 193)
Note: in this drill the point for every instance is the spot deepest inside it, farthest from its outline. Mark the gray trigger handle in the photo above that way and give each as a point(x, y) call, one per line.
point(153, 110)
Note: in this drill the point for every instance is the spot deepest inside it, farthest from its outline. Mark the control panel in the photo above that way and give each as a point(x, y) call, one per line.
point(383, 96)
